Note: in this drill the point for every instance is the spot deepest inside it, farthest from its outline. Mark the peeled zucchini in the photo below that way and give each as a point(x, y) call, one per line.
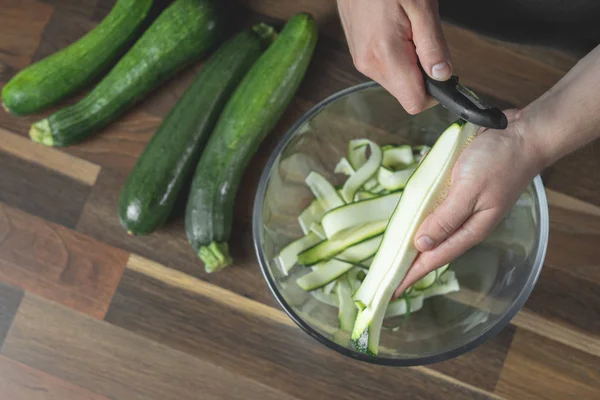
point(426, 188)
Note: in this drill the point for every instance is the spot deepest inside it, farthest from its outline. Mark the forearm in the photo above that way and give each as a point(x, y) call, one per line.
point(566, 117)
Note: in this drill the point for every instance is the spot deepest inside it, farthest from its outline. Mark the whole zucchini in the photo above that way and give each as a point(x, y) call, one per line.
point(71, 69)
point(171, 155)
point(253, 110)
point(182, 33)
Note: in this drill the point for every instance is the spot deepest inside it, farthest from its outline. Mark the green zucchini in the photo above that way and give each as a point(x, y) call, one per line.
point(184, 32)
point(323, 273)
point(253, 110)
point(169, 158)
point(364, 173)
point(288, 257)
point(341, 241)
point(71, 69)
point(375, 209)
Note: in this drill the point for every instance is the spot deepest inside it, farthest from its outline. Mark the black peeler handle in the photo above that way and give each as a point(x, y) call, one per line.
point(463, 102)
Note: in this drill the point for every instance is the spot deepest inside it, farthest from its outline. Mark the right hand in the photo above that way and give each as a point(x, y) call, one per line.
point(388, 37)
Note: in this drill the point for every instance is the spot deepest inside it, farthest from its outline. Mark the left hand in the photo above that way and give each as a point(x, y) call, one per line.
point(487, 179)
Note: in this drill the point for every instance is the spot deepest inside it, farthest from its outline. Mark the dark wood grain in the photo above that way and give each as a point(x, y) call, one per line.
point(42, 192)
point(574, 230)
point(577, 174)
point(562, 297)
point(276, 354)
point(20, 382)
point(10, 298)
point(58, 263)
point(538, 368)
point(115, 363)
point(22, 23)
point(482, 367)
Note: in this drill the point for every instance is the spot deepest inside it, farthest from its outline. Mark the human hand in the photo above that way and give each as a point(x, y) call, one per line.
point(388, 37)
point(487, 179)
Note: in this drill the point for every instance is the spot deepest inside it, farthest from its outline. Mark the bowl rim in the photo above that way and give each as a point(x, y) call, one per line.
point(257, 233)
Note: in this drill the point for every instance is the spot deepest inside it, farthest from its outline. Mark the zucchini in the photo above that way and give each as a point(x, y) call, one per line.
point(169, 158)
point(395, 180)
point(323, 273)
point(184, 32)
point(360, 212)
point(347, 310)
point(310, 215)
point(444, 285)
point(288, 257)
point(253, 110)
point(426, 281)
point(324, 191)
point(425, 189)
point(340, 242)
point(404, 305)
point(364, 173)
point(71, 69)
point(396, 158)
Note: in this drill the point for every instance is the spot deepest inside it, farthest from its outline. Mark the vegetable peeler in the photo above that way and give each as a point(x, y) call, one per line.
point(462, 101)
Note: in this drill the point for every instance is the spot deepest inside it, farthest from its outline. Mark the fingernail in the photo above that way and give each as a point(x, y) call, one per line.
point(441, 71)
point(425, 243)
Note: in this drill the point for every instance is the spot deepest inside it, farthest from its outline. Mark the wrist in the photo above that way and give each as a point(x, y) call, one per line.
point(534, 146)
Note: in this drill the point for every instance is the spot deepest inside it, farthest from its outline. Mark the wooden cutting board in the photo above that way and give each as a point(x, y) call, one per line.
point(87, 312)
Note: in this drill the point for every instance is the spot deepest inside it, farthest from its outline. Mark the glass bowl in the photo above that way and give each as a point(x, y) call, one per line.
point(496, 277)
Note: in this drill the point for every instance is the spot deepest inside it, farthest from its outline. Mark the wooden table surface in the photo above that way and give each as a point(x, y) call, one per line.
point(87, 312)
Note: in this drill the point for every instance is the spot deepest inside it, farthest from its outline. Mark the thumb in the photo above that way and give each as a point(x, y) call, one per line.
point(429, 40)
point(445, 219)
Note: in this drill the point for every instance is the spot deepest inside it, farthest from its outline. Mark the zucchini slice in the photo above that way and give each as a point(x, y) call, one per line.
point(376, 209)
point(288, 256)
point(324, 191)
point(311, 214)
point(347, 310)
point(343, 167)
point(400, 306)
point(340, 242)
point(425, 189)
point(395, 180)
point(446, 284)
point(364, 173)
point(398, 157)
point(323, 273)
point(426, 281)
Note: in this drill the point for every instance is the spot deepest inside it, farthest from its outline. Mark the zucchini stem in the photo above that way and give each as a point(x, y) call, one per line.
point(215, 256)
point(40, 132)
point(266, 32)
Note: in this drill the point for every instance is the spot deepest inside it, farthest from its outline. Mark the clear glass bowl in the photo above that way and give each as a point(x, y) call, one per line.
point(496, 276)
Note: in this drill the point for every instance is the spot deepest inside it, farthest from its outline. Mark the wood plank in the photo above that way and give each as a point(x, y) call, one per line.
point(82, 8)
point(581, 341)
point(18, 44)
point(119, 145)
point(482, 366)
point(40, 191)
point(20, 382)
point(577, 174)
point(115, 363)
point(566, 202)
point(10, 299)
point(73, 167)
point(538, 368)
point(288, 358)
point(58, 263)
point(566, 299)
